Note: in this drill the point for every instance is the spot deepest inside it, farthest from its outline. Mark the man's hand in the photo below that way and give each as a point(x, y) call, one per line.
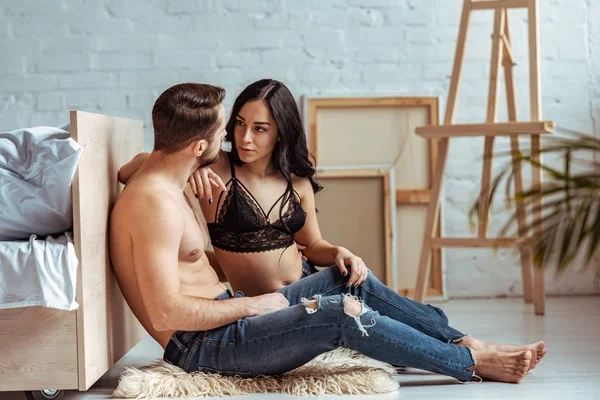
point(201, 181)
point(265, 303)
point(358, 269)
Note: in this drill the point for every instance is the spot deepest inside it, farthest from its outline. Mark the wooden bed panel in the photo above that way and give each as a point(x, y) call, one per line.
point(38, 349)
point(355, 210)
point(106, 328)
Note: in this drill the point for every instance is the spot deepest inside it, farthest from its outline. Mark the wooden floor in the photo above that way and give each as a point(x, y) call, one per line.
point(570, 370)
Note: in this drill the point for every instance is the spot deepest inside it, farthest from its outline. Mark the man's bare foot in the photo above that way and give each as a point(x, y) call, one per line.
point(501, 366)
point(537, 349)
point(540, 355)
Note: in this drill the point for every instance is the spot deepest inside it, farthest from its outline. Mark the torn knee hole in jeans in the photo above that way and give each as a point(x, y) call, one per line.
point(355, 308)
point(312, 305)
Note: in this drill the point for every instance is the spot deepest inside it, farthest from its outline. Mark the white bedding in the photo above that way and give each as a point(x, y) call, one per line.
point(38, 272)
point(36, 169)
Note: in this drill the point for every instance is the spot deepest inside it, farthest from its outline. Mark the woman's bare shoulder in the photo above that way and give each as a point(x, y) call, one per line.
point(301, 185)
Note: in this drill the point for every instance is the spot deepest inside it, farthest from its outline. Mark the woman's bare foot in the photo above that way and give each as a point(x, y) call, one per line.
point(537, 349)
point(501, 366)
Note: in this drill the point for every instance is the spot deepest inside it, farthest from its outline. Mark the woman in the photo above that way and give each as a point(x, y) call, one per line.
point(268, 205)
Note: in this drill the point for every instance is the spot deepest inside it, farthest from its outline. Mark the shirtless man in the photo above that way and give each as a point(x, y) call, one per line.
point(158, 251)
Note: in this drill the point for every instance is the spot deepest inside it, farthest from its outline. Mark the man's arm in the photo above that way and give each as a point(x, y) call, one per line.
point(127, 170)
point(156, 234)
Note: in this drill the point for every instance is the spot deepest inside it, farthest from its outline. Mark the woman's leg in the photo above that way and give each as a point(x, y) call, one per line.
point(432, 320)
point(425, 318)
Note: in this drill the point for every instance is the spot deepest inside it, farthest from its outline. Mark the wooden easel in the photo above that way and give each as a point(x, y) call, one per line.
point(534, 289)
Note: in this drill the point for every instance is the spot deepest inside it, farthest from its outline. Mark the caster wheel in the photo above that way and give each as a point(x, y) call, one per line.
point(47, 394)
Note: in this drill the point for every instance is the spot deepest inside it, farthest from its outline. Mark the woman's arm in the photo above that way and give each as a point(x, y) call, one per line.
point(127, 170)
point(318, 250)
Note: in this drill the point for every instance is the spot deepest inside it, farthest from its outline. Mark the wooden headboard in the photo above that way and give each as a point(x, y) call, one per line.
point(106, 328)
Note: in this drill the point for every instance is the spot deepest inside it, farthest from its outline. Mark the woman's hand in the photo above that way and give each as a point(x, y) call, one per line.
point(128, 170)
point(358, 269)
point(200, 182)
point(301, 249)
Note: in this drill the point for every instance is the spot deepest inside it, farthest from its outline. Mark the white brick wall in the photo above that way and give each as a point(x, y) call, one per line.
point(117, 56)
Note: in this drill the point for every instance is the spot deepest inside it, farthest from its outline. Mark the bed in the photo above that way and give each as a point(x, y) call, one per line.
point(43, 348)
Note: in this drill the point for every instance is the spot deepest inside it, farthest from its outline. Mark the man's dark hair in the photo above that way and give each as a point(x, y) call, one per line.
point(184, 113)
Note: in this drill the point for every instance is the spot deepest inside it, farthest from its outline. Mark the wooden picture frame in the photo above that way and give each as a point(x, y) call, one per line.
point(370, 210)
point(345, 119)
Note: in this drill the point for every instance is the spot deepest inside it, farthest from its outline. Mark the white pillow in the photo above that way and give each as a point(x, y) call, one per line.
point(36, 169)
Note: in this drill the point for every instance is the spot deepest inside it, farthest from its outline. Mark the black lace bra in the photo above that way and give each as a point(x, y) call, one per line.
point(242, 226)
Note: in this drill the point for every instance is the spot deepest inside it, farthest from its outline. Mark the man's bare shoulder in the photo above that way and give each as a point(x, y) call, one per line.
point(143, 198)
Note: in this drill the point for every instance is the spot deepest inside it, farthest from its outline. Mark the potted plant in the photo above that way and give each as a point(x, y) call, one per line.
point(570, 198)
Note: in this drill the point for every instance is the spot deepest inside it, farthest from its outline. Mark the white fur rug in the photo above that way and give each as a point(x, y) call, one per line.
point(339, 372)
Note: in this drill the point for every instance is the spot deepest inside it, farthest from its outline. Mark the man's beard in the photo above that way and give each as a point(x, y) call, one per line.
point(203, 162)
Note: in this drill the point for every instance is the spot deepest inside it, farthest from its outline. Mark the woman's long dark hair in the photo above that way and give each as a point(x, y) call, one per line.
point(290, 155)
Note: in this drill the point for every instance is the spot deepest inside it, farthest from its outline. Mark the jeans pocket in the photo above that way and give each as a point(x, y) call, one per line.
point(178, 342)
point(183, 339)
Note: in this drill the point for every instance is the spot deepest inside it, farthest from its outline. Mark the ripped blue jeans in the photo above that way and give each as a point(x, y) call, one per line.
point(388, 328)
